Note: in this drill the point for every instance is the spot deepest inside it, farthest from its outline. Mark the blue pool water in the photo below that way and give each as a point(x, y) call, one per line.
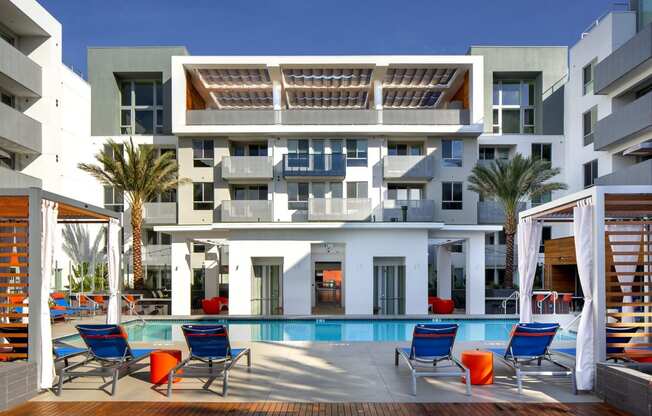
point(325, 330)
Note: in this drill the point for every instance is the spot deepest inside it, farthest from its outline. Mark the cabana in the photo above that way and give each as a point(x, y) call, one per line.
point(28, 219)
point(612, 231)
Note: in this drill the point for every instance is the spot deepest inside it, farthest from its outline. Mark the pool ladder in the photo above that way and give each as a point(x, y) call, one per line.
point(515, 297)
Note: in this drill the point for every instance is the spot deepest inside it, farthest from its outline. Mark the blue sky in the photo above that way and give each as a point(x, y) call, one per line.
point(339, 27)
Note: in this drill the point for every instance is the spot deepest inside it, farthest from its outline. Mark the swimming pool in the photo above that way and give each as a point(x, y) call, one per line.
point(324, 330)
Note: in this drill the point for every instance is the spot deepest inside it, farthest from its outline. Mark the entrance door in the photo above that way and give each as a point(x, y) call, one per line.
point(266, 290)
point(328, 288)
point(389, 289)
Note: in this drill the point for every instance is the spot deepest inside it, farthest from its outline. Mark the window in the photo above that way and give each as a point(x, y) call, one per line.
point(456, 248)
point(298, 152)
point(168, 196)
point(452, 152)
point(404, 192)
point(8, 37)
point(198, 248)
point(542, 151)
point(249, 193)
point(198, 279)
point(587, 78)
point(404, 149)
point(7, 159)
point(357, 190)
point(298, 195)
point(356, 152)
point(490, 239)
point(141, 107)
point(336, 190)
point(588, 124)
point(542, 199)
point(487, 153)
point(451, 195)
point(590, 173)
point(546, 234)
point(319, 189)
point(513, 107)
point(113, 199)
point(203, 196)
point(7, 99)
point(202, 153)
point(502, 238)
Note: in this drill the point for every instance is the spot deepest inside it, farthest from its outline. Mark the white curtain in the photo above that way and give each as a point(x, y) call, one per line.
point(528, 241)
point(583, 233)
point(49, 213)
point(624, 271)
point(113, 271)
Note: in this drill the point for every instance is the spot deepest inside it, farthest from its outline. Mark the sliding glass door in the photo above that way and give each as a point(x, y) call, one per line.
point(389, 288)
point(266, 290)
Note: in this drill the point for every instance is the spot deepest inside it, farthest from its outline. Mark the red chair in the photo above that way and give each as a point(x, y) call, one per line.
point(567, 299)
point(445, 306)
point(224, 302)
point(539, 302)
point(211, 306)
point(432, 301)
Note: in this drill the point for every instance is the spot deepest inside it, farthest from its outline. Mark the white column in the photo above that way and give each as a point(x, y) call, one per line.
point(276, 100)
point(444, 283)
point(378, 99)
point(476, 91)
point(211, 265)
point(181, 275)
point(475, 290)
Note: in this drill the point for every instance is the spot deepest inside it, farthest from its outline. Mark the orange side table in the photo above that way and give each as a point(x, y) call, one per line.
point(480, 365)
point(160, 364)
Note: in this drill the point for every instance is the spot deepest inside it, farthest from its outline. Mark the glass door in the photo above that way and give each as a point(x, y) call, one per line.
point(266, 290)
point(389, 289)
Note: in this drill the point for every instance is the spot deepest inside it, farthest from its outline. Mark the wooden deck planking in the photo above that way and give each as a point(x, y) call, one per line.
point(309, 409)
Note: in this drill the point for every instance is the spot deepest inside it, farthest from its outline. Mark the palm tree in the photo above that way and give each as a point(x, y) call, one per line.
point(142, 175)
point(512, 182)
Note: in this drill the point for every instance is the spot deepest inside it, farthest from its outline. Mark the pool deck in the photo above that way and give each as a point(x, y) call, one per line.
point(305, 409)
point(301, 371)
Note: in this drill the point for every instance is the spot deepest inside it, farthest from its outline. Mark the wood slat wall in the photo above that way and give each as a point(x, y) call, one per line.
point(629, 210)
point(14, 277)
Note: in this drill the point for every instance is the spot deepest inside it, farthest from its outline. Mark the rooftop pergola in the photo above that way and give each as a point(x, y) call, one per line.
point(621, 273)
point(27, 219)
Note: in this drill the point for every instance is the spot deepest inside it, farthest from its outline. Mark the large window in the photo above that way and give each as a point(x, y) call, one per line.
point(452, 152)
point(113, 199)
point(587, 78)
point(451, 195)
point(493, 153)
point(590, 173)
point(298, 150)
point(405, 149)
point(404, 192)
point(542, 151)
point(141, 107)
point(7, 98)
point(513, 107)
point(202, 153)
point(298, 193)
point(203, 196)
point(542, 199)
point(357, 190)
point(356, 152)
point(589, 119)
point(249, 193)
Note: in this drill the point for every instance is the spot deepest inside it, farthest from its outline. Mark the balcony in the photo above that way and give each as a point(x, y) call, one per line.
point(326, 117)
point(19, 74)
point(156, 255)
point(625, 122)
point(427, 117)
point(339, 209)
point(230, 117)
point(638, 174)
point(408, 167)
point(18, 132)
point(247, 211)
point(247, 168)
point(492, 212)
point(160, 213)
point(314, 166)
point(14, 179)
point(616, 68)
point(409, 211)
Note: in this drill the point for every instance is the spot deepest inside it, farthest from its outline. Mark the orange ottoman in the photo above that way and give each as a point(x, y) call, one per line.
point(160, 364)
point(480, 365)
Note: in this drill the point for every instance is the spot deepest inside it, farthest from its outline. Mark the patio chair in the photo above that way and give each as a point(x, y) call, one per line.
point(64, 353)
point(432, 343)
point(209, 344)
point(527, 348)
point(61, 301)
point(108, 346)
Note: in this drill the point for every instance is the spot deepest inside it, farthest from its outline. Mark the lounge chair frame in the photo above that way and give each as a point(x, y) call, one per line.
point(418, 367)
point(209, 370)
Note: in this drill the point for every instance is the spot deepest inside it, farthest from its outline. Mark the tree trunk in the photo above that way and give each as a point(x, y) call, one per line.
point(136, 242)
point(510, 231)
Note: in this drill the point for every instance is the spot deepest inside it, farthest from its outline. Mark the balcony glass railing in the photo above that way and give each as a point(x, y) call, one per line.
point(247, 211)
point(247, 167)
point(311, 165)
point(339, 209)
point(408, 167)
point(421, 210)
point(160, 212)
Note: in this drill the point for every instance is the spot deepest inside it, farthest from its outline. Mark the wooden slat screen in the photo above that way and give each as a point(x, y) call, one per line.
point(629, 210)
point(14, 277)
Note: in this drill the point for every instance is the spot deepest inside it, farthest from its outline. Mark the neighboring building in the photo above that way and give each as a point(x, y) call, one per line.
point(608, 102)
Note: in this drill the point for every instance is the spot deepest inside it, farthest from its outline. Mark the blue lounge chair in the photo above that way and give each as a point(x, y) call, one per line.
point(432, 343)
point(528, 346)
point(209, 344)
point(64, 353)
point(107, 345)
point(63, 302)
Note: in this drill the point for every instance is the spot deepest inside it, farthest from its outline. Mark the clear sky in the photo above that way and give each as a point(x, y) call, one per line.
point(305, 27)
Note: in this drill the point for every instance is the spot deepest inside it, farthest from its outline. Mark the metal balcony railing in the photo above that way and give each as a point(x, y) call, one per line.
point(156, 254)
point(247, 211)
point(160, 213)
point(247, 167)
point(422, 210)
point(408, 167)
point(339, 209)
point(314, 165)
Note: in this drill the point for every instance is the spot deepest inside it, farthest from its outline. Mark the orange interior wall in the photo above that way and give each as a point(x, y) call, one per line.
point(194, 101)
point(462, 93)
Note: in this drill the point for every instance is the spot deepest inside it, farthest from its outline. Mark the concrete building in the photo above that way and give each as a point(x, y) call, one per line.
point(608, 102)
